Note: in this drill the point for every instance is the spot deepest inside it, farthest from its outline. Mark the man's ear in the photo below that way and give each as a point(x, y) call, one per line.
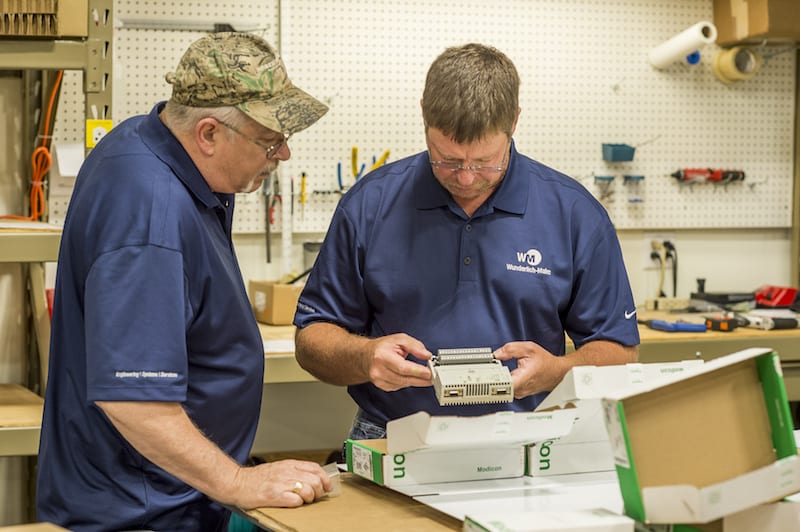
point(207, 134)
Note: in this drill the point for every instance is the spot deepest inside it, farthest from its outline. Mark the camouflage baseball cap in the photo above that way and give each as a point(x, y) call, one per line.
point(242, 70)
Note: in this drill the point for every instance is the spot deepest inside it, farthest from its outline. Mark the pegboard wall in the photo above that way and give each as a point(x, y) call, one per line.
point(585, 81)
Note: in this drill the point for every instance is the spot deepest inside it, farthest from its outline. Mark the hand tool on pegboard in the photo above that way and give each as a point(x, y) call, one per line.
point(713, 175)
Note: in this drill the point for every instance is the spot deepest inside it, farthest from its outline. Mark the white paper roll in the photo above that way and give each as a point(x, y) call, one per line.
point(683, 44)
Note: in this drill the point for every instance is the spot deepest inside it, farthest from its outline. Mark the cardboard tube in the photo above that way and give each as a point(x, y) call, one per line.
point(683, 44)
point(736, 64)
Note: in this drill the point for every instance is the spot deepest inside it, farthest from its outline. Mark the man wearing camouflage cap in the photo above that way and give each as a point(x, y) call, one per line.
point(156, 363)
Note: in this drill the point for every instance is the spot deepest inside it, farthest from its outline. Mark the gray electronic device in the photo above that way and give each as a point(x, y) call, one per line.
point(470, 376)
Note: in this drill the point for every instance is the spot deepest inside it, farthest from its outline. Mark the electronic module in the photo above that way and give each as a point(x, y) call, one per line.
point(470, 376)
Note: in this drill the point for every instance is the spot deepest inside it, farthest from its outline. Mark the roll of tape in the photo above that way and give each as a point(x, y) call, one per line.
point(736, 64)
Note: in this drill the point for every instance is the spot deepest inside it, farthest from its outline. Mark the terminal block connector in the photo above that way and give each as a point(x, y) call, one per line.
point(470, 376)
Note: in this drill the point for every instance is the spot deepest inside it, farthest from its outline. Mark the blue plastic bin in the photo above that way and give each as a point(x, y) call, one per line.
point(618, 152)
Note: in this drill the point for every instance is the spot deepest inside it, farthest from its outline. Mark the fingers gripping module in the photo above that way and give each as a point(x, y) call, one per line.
point(470, 376)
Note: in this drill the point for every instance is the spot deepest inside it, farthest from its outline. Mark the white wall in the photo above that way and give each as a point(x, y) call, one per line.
point(732, 260)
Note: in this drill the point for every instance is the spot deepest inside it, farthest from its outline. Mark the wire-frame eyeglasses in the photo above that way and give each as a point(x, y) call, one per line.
point(271, 151)
point(484, 170)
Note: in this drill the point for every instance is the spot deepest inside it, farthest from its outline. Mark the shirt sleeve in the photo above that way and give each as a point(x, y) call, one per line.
point(338, 295)
point(603, 306)
point(135, 326)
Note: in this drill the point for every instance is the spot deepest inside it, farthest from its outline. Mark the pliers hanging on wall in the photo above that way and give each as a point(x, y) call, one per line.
point(359, 171)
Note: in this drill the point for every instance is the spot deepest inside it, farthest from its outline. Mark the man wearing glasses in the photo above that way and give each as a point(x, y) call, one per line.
point(157, 364)
point(467, 245)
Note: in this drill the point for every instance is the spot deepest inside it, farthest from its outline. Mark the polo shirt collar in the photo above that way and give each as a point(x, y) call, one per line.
point(511, 196)
point(166, 147)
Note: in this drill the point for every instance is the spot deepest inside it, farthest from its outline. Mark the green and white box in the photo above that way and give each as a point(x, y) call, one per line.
point(425, 449)
point(371, 460)
point(715, 441)
point(587, 448)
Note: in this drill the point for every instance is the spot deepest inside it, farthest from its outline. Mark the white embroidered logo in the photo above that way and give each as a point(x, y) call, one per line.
point(532, 257)
point(528, 262)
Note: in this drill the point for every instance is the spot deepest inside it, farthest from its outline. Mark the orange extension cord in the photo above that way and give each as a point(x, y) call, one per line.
point(41, 161)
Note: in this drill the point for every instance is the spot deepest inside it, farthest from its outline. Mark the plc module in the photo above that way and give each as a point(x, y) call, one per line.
point(470, 376)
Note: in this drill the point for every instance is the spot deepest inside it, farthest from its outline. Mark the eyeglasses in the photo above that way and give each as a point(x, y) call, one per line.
point(272, 151)
point(484, 170)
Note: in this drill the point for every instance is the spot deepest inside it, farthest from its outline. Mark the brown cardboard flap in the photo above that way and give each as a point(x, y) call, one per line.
point(362, 505)
point(705, 429)
point(739, 21)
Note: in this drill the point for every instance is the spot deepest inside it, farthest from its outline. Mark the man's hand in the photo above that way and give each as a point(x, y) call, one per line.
point(538, 370)
point(185, 452)
point(387, 366)
point(286, 484)
point(336, 356)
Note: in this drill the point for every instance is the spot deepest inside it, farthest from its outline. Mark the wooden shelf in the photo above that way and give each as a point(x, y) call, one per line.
point(20, 420)
point(29, 242)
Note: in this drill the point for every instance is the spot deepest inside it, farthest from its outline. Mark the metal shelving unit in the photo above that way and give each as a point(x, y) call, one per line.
point(92, 55)
point(35, 244)
point(31, 245)
point(21, 408)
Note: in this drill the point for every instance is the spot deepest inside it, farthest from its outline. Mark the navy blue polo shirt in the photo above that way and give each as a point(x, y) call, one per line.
point(149, 306)
point(538, 258)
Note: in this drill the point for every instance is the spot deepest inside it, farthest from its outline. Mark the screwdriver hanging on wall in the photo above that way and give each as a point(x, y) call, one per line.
point(714, 175)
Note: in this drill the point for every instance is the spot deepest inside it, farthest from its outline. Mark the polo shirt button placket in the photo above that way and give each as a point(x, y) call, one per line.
point(467, 261)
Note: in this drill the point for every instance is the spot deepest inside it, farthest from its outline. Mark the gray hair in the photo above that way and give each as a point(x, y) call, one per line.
point(183, 118)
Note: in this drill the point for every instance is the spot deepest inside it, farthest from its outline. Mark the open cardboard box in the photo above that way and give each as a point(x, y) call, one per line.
point(274, 303)
point(754, 21)
point(425, 449)
point(586, 448)
point(780, 516)
point(67, 18)
point(716, 440)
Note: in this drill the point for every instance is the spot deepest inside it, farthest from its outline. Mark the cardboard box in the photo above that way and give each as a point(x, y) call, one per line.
point(593, 382)
point(716, 440)
point(45, 18)
point(371, 460)
point(773, 517)
point(274, 303)
point(587, 448)
point(753, 21)
point(425, 449)
point(73, 18)
point(555, 458)
point(596, 520)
